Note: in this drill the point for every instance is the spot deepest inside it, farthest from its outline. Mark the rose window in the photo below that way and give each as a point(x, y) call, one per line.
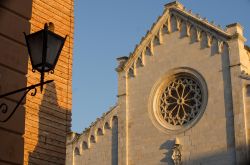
point(181, 100)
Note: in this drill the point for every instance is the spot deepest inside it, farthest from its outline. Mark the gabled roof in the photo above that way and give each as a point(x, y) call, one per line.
point(174, 11)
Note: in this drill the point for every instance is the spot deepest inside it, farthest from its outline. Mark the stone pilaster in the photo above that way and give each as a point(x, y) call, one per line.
point(236, 46)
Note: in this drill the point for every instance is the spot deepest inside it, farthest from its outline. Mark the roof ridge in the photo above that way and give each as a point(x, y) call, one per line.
point(91, 131)
point(163, 20)
point(92, 124)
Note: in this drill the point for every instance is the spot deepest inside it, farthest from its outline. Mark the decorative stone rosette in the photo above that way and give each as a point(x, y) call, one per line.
point(178, 100)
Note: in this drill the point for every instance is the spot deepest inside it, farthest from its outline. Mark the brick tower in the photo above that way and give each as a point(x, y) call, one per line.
point(48, 115)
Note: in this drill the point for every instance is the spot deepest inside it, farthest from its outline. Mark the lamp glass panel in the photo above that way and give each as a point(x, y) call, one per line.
point(54, 45)
point(35, 43)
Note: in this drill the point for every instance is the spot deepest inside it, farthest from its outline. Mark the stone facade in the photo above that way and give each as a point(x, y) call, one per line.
point(36, 134)
point(179, 43)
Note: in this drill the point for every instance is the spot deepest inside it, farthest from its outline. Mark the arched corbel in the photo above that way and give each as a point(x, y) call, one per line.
point(150, 47)
point(198, 34)
point(134, 67)
point(165, 29)
point(156, 40)
point(168, 23)
point(209, 40)
point(131, 71)
point(178, 23)
point(160, 36)
point(143, 57)
point(188, 28)
point(140, 59)
point(220, 46)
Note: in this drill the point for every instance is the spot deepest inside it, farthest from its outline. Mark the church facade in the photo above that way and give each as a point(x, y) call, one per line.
point(183, 98)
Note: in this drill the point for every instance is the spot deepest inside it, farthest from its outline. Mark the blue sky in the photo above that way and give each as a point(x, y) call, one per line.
point(105, 30)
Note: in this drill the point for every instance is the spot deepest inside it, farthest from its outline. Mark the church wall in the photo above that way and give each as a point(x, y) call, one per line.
point(239, 64)
point(219, 136)
point(207, 140)
point(102, 149)
point(98, 144)
point(245, 56)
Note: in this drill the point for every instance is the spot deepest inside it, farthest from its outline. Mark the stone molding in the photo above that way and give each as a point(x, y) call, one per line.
point(176, 16)
point(154, 96)
point(90, 135)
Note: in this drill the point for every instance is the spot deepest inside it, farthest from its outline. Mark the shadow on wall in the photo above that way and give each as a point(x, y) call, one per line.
point(168, 145)
point(209, 157)
point(114, 147)
point(52, 129)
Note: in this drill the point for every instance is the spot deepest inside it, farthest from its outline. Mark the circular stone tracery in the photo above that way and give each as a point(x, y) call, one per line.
point(181, 100)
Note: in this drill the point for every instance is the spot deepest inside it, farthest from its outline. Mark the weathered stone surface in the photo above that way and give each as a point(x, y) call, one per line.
point(48, 115)
point(179, 43)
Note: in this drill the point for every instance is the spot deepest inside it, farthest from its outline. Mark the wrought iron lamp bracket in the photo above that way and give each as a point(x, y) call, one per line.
point(4, 107)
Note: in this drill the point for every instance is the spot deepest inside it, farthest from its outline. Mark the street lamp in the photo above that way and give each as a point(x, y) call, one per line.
point(44, 48)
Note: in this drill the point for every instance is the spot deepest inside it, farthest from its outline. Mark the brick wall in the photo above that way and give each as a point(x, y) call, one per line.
point(48, 114)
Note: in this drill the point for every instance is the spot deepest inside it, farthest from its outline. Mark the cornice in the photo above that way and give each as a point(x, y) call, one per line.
point(92, 130)
point(155, 35)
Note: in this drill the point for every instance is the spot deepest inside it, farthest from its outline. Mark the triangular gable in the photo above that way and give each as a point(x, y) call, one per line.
point(174, 18)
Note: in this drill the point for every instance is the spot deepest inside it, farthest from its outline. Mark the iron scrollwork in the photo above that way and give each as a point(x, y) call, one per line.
point(4, 108)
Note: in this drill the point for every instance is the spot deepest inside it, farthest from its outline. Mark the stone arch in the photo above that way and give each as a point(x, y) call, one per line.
point(165, 29)
point(106, 125)
point(148, 51)
point(131, 72)
point(156, 40)
point(114, 118)
point(139, 62)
